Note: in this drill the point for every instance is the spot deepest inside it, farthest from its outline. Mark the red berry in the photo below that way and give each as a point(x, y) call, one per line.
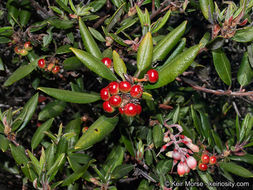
point(212, 160)
point(138, 109)
point(56, 69)
point(23, 52)
point(130, 109)
point(152, 76)
point(124, 86)
point(107, 107)
point(107, 61)
point(41, 63)
point(115, 101)
point(205, 159)
point(113, 88)
point(28, 46)
point(104, 94)
point(121, 110)
point(17, 50)
point(50, 66)
point(136, 91)
point(202, 167)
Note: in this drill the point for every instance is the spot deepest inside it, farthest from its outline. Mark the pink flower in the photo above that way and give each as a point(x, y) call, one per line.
point(191, 162)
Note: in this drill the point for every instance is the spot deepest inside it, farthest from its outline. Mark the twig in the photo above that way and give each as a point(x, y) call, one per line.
point(100, 21)
point(217, 92)
point(236, 109)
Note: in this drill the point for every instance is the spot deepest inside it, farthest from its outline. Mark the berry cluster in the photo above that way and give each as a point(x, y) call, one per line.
point(23, 49)
point(206, 161)
point(180, 154)
point(125, 95)
point(50, 67)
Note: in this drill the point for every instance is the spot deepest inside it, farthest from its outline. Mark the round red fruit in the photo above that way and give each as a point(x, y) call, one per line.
point(41, 63)
point(23, 52)
point(212, 160)
point(136, 91)
point(121, 110)
point(115, 101)
point(202, 167)
point(56, 69)
point(130, 109)
point(124, 86)
point(205, 159)
point(107, 107)
point(28, 46)
point(152, 75)
point(138, 109)
point(17, 50)
point(104, 94)
point(107, 61)
point(113, 88)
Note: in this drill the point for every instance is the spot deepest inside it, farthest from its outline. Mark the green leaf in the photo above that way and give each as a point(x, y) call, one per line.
point(222, 66)
point(126, 24)
point(161, 22)
point(25, 13)
point(144, 53)
point(128, 144)
point(73, 126)
point(164, 46)
point(158, 136)
point(97, 5)
point(246, 127)
point(4, 143)
point(26, 113)
point(39, 134)
point(115, 17)
point(56, 166)
point(245, 72)
point(144, 185)
point(177, 51)
point(168, 72)
point(114, 159)
point(236, 169)
point(50, 156)
point(196, 121)
point(35, 163)
point(206, 126)
point(119, 65)
point(61, 24)
point(88, 41)
point(70, 96)
point(72, 63)
point(77, 174)
point(148, 157)
point(52, 109)
point(102, 127)
point(244, 35)
point(207, 179)
point(20, 73)
point(164, 166)
point(207, 7)
point(63, 49)
point(1, 65)
point(63, 6)
point(47, 39)
point(217, 141)
point(122, 170)
point(18, 153)
point(247, 158)
point(94, 64)
point(96, 34)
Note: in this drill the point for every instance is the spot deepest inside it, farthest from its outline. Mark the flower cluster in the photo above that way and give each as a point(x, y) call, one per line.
point(180, 154)
point(125, 95)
